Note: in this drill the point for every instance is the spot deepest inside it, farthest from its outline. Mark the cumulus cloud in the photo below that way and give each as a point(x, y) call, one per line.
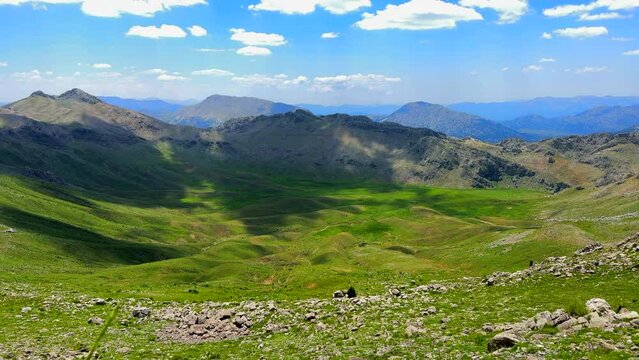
point(418, 15)
point(309, 6)
point(114, 8)
point(253, 51)
point(249, 38)
point(197, 31)
point(590, 69)
point(205, 50)
point(280, 80)
point(547, 60)
point(532, 68)
point(505, 68)
point(212, 72)
point(170, 77)
point(28, 75)
point(155, 71)
point(102, 66)
point(4, 64)
point(602, 16)
point(584, 11)
point(154, 32)
point(622, 39)
point(546, 36)
point(582, 32)
point(509, 10)
point(632, 53)
point(330, 35)
point(347, 82)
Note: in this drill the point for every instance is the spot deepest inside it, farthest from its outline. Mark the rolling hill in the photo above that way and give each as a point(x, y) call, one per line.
point(216, 109)
point(449, 122)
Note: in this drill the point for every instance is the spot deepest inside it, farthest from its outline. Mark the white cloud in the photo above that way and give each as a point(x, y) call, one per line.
point(154, 32)
point(601, 16)
point(213, 50)
point(546, 36)
point(622, 39)
point(155, 71)
point(418, 15)
point(345, 82)
point(582, 32)
point(107, 75)
point(547, 60)
point(4, 64)
point(279, 81)
point(590, 69)
point(197, 31)
point(249, 38)
point(505, 68)
point(169, 77)
point(102, 66)
point(28, 75)
point(509, 10)
point(584, 10)
point(532, 68)
point(114, 8)
point(330, 35)
point(632, 53)
point(254, 51)
point(309, 6)
point(212, 72)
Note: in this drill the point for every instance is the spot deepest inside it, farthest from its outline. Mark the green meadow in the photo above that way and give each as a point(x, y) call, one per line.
point(233, 235)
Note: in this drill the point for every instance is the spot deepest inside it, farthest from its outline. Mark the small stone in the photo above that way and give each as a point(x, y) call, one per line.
point(429, 311)
point(96, 321)
point(310, 316)
point(503, 340)
point(395, 292)
point(600, 306)
point(99, 301)
point(141, 312)
point(338, 294)
point(25, 309)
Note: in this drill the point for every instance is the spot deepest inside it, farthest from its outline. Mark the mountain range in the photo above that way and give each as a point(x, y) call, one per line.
point(217, 109)
point(73, 134)
point(597, 120)
point(545, 106)
point(452, 123)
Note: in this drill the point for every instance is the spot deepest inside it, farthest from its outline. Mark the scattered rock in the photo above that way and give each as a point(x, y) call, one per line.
point(395, 292)
point(141, 312)
point(503, 340)
point(96, 321)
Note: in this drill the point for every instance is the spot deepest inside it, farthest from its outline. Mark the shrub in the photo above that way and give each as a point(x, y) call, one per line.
point(577, 309)
point(351, 293)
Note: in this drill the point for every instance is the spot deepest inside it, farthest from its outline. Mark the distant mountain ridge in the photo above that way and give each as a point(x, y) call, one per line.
point(156, 108)
point(450, 122)
point(373, 111)
point(217, 109)
point(604, 119)
point(544, 106)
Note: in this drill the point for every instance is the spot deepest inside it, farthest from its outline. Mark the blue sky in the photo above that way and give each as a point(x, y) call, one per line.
point(321, 51)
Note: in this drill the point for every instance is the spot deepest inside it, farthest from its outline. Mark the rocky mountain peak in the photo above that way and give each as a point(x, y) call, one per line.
point(42, 94)
point(79, 95)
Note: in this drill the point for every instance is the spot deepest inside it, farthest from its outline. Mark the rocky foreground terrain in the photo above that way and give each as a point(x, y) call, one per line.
point(452, 319)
